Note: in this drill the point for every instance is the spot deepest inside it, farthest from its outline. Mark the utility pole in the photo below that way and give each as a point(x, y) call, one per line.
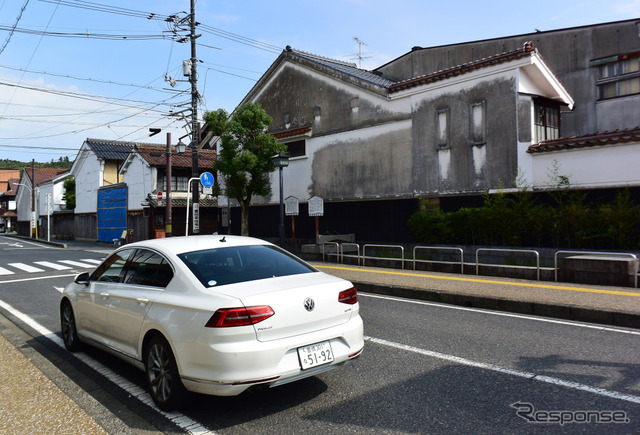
point(33, 224)
point(195, 130)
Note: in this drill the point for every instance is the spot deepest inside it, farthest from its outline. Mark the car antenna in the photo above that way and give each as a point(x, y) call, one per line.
point(223, 239)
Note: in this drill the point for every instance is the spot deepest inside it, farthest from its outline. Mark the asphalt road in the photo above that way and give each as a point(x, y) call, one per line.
point(426, 368)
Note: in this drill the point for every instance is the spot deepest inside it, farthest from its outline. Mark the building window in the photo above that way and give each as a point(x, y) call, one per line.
point(442, 128)
point(618, 76)
point(547, 120)
point(297, 148)
point(178, 184)
point(477, 122)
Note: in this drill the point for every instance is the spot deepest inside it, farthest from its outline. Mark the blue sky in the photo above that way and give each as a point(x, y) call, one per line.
point(88, 81)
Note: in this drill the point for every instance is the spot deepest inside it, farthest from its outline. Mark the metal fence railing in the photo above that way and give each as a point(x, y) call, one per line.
point(364, 253)
point(438, 248)
point(521, 251)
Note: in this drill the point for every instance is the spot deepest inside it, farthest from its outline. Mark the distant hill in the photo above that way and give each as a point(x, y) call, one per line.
point(62, 162)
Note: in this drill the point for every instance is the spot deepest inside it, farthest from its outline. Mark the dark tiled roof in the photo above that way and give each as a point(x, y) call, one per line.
point(508, 56)
point(44, 174)
point(13, 187)
point(110, 149)
point(344, 67)
point(597, 139)
point(154, 155)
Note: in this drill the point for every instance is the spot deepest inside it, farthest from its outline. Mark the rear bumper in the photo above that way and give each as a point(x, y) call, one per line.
point(231, 368)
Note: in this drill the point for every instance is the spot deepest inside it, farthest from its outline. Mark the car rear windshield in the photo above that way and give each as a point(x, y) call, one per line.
point(216, 267)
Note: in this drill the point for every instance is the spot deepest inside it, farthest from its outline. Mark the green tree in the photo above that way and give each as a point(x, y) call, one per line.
point(70, 193)
point(244, 157)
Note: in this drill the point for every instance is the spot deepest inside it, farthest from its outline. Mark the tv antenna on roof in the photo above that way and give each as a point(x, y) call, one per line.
point(359, 55)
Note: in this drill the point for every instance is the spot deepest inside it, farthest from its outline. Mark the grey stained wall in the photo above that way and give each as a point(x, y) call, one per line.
point(568, 53)
point(471, 167)
point(401, 158)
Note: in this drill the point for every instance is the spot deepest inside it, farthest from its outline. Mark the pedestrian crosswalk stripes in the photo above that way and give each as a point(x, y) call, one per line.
point(77, 263)
point(44, 266)
point(50, 265)
point(26, 267)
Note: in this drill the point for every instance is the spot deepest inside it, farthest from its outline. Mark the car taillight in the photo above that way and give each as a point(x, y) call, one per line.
point(226, 317)
point(348, 296)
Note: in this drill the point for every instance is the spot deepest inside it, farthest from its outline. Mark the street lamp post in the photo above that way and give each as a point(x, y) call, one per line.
point(180, 148)
point(281, 160)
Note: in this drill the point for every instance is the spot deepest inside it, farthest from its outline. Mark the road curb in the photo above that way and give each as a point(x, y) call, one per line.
point(29, 239)
point(565, 312)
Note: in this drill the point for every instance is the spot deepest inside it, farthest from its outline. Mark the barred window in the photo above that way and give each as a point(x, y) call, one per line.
point(547, 120)
point(618, 76)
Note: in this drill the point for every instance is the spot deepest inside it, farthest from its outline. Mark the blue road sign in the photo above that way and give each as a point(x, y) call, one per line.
point(206, 179)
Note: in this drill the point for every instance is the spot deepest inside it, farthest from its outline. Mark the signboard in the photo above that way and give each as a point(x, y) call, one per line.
point(316, 206)
point(159, 197)
point(292, 206)
point(196, 217)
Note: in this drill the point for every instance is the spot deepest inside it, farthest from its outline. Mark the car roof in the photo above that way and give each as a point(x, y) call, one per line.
point(181, 244)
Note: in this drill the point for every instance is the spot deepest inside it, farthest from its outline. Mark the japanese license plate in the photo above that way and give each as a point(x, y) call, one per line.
point(315, 354)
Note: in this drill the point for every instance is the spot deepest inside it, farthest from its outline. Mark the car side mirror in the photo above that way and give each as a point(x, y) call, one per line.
point(82, 278)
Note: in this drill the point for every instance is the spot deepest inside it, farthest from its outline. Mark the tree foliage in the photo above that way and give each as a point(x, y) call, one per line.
point(561, 218)
point(70, 193)
point(244, 155)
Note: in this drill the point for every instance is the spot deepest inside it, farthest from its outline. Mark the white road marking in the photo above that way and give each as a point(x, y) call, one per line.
point(36, 278)
point(92, 261)
point(517, 373)
point(50, 265)
point(502, 314)
point(26, 267)
point(59, 289)
point(78, 264)
point(4, 271)
point(182, 421)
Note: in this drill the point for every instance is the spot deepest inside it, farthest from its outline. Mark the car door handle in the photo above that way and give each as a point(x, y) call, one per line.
point(142, 300)
point(104, 295)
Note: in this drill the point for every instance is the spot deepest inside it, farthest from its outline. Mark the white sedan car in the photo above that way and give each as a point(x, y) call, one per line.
point(213, 314)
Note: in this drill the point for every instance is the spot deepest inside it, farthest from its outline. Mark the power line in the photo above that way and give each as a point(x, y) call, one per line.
point(100, 7)
point(14, 26)
point(87, 97)
point(86, 34)
point(109, 82)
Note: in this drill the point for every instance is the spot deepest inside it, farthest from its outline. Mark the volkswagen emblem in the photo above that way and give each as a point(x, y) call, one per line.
point(309, 305)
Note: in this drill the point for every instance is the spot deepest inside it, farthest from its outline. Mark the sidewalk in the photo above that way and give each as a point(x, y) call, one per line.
point(31, 403)
point(616, 306)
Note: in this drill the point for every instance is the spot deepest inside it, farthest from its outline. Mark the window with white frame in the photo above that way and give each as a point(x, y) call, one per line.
point(297, 148)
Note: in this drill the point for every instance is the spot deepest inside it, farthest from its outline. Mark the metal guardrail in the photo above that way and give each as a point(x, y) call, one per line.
point(337, 249)
point(340, 256)
point(526, 251)
point(610, 254)
point(364, 255)
point(459, 250)
point(342, 245)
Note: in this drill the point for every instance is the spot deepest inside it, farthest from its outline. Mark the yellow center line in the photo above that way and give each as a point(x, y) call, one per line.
point(483, 281)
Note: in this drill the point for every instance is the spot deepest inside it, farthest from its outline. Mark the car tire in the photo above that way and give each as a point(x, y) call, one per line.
point(68, 327)
point(163, 379)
